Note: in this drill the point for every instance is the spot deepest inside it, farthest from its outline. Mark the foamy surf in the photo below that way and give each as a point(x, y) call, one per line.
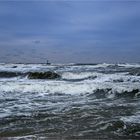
point(86, 101)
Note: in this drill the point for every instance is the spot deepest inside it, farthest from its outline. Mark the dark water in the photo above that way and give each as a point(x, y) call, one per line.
point(89, 102)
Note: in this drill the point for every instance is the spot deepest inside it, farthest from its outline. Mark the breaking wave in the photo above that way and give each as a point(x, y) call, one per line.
point(7, 74)
point(86, 102)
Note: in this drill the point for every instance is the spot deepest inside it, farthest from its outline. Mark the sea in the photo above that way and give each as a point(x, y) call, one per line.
point(89, 101)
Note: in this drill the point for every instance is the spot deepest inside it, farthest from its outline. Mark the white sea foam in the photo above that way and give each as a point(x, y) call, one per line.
point(93, 91)
point(24, 67)
point(117, 82)
point(87, 86)
point(132, 65)
point(132, 119)
point(36, 67)
point(80, 75)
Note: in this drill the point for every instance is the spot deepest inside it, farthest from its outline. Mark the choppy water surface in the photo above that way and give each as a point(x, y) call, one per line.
point(88, 101)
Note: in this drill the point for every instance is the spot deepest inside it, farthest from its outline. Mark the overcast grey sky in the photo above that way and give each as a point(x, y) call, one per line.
point(70, 31)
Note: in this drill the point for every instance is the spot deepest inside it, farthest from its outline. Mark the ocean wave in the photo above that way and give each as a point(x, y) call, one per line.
point(30, 75)
point(131, 119)
point(134, 71)
point(7, 74)
point(65, 87)
point(80, 75)
point(86, 101)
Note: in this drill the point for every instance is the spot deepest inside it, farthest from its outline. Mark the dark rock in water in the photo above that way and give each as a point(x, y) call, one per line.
point(7, 74)
point(14, 67)
point(43, 75)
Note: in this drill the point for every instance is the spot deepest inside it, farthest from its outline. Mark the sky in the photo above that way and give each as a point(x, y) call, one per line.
point(68, 31)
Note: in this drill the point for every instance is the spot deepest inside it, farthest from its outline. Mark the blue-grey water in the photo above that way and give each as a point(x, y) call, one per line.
point(99, 101)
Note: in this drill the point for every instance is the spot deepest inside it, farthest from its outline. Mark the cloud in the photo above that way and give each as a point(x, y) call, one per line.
point(61, 30)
